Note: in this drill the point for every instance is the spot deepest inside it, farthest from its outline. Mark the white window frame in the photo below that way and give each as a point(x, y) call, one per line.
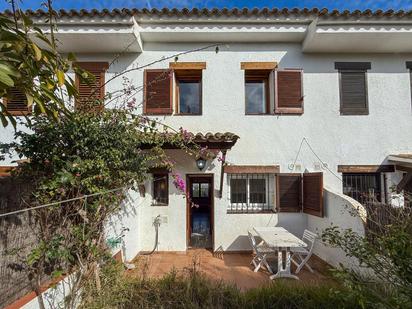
point(248, 206)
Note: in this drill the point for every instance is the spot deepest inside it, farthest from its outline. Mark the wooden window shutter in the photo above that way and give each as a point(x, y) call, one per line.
point(158, 92)
point(91, 93)
point(289, 91)
point(313, 194)
point(16, 102)
point(353, 93)
point(289, 192)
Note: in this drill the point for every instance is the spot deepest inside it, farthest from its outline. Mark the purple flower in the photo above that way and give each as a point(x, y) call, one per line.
point(203, 152)
point(221, 158)
point(131, 103)
point(186, 135)
point(178, 182)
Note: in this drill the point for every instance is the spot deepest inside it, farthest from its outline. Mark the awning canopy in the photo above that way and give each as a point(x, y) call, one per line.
point(216, 140)
point(402, 161)
point(213, 141)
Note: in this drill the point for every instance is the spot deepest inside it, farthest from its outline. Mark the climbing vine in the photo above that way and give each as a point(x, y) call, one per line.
point(82, 164)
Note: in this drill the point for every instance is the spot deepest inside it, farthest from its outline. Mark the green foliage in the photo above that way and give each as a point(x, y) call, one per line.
point(194, 290)
point(89, 151)
point(92, 160)
point(29, 62)
point(385, 255)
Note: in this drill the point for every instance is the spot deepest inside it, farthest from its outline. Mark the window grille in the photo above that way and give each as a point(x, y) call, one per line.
point(362, 187)
point(160, 189)
point(251, 193)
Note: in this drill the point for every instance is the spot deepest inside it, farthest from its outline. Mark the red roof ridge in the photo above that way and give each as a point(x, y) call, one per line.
point(233, 12)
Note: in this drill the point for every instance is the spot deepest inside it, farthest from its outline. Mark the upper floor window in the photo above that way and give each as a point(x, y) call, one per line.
point(409, 66)
point(158, 92)
point(183, 79)
point(269, 90)
point(91, 90)
point(353, 87)
point(188, 92)
point(16, 102)
point(289, 91)
point(257, 86)
point(257, 92)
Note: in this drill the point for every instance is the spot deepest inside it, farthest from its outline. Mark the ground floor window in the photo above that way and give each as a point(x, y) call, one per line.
point(160, 190)
point(251, 193)
point(363, 187)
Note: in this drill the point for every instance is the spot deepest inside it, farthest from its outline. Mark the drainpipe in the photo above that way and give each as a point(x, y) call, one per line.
point(222, 173)
point(385, 192)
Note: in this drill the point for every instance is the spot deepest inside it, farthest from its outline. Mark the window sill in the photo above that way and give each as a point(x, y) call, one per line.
point(183, 114)
point(19, 113)
point(292, 112)
point(241, 212)
point(157, 114)
point(354, 113)
point(261, 114)
point(159, 205)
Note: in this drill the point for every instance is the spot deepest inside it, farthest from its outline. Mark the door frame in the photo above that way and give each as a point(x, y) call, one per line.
point(212, 206)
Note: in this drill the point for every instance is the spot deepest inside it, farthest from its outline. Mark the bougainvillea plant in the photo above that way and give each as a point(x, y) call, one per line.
point(82, 162)
point(78, 156)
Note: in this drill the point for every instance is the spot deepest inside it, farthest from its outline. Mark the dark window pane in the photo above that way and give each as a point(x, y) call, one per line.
point(204, 189)
point(195, 190)
point(255, 97)
point(362, 187)
point(237, 191)
point(189, 97)
point(257, 189)
point(160, 189)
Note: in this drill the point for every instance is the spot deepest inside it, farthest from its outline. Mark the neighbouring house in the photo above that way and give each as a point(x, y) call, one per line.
point(309, 111)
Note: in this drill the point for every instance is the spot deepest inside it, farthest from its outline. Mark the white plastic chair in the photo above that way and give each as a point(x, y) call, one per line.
point(261, 251)
point(304, 254)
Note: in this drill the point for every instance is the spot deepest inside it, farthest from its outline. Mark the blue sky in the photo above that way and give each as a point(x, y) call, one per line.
point(99, 4)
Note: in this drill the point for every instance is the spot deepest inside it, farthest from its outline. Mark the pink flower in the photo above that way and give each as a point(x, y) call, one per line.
point(131, 103)
point(178, 182)
point(186, 135)
point(221, 158)
point(203, 152)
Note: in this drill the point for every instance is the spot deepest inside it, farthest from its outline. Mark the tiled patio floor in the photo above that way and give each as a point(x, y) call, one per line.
point(229, 267)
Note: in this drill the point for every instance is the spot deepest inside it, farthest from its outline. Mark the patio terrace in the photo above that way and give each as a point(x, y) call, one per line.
point(233, 268)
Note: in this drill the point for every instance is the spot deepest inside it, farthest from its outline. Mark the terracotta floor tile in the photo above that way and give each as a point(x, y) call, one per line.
point(230, 267)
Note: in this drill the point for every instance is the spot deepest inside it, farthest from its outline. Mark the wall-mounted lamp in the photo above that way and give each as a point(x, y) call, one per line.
point(200, 163)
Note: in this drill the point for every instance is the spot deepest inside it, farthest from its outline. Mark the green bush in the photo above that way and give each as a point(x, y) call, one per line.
point(194, 290)
point(385, 255)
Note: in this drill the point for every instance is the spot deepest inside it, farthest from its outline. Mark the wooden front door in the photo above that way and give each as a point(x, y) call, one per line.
point(200, 211)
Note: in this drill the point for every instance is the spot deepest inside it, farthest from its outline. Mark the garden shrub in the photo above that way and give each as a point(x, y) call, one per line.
point(194, 290)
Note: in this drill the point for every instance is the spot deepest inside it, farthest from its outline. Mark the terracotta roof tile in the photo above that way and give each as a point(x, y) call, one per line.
point(216, 137)
point(215, 12)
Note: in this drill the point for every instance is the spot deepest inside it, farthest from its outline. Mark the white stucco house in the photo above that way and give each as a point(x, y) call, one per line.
point(309, 110)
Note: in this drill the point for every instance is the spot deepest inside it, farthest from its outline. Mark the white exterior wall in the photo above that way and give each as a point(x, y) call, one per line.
point(342, 211)
point(230, 230)
point(269, 139)
point(127, 218)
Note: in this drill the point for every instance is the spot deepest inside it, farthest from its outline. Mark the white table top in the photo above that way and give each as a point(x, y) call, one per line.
point(279, 237)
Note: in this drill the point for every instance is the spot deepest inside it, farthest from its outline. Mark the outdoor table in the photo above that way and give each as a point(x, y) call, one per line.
point(282, 240)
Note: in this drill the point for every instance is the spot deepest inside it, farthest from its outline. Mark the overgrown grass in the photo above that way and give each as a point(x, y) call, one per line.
point(193, 290)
